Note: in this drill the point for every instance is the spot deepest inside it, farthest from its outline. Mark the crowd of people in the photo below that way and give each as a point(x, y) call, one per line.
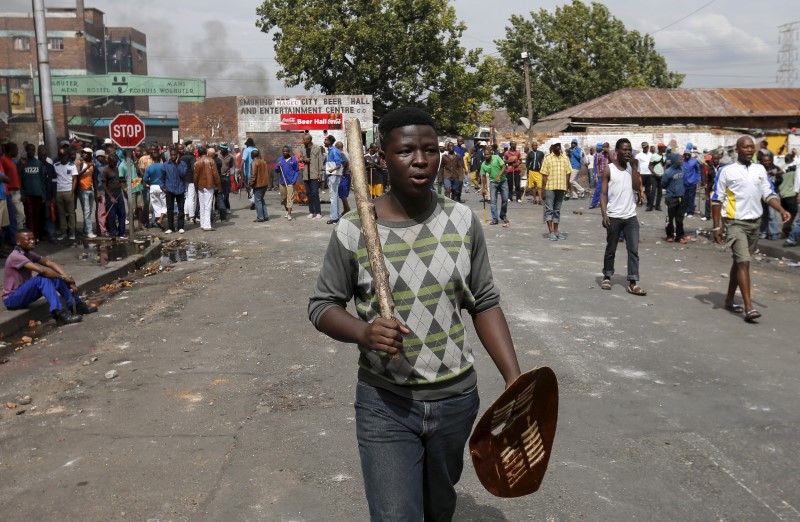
point(172, 186)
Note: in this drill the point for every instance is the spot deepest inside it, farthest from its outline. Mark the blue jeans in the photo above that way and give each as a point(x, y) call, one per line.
point(86, 197)
point(116, 215)
point(688, 198)
point(333, 186)
point(12, 218)
point(596, 196)
point(552, 204)
point(312, 187)
point(794, 235)
point(630, 228)
point(412, 452)
point(501, 188)
point(261, 205)
point(39, 286)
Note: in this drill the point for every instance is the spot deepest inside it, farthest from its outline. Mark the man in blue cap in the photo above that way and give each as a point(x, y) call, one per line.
point(691, 177)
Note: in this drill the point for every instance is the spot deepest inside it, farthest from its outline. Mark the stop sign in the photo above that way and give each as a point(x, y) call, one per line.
point(127, 130)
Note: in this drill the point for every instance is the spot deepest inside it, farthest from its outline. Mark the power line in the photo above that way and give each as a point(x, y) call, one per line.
point(685, 17)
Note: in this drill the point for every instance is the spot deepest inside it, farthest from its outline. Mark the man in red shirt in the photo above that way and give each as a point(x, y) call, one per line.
point(513, 158)
point(9, 168)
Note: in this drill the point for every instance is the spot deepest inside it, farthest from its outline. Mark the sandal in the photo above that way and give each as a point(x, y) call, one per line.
point(752, 315)
point(670, 239)
point(636, 290)
point(606, 284)
point(734, 308)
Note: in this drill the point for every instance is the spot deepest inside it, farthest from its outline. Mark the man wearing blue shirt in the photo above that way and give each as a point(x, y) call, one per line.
point(576, 159)
point(333, 166)
point(288, 170)
point(691, 177)
point(247, 163)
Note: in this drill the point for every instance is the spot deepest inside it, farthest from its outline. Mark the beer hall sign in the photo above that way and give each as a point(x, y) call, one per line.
point(283, 113)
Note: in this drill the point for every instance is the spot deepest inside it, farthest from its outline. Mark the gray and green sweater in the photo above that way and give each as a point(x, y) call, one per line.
point(438, 265)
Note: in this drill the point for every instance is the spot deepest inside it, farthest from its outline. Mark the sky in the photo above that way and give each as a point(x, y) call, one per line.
point(716, 43)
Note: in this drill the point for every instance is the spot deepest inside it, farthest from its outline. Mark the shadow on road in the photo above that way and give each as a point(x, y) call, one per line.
point(469, 511)
point(717, 300)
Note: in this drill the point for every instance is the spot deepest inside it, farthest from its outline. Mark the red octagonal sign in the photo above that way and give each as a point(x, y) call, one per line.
point(126, 130)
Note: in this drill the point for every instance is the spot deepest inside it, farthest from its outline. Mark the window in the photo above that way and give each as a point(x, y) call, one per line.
point(55, 44)
point(22, 43)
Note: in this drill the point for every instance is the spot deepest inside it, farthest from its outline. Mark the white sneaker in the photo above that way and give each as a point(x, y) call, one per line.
point(72, 237)
point(62, 237)
point(318, 216)
point(168, 231)
point(181, 231)
point(703, 218)
point(127, 222)
point(91, 235)
point(289, 217)
point(311, 216)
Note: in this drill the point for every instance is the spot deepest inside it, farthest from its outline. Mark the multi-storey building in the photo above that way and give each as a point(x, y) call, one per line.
point(79, 44)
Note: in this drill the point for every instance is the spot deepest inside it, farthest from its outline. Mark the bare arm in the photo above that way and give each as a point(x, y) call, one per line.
point(492, 329)
point(383, 335)
point(604, 195)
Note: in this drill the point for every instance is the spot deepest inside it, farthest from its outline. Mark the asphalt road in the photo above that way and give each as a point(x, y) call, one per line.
point(230, 406)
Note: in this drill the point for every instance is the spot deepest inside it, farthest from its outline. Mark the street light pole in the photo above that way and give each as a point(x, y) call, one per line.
point(45, 82)
point(526, 58)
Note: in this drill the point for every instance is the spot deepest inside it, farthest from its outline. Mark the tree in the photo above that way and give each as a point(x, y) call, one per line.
point(402, 52)
point(578, 53)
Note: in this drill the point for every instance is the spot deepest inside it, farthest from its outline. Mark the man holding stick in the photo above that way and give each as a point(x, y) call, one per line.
point(416, 398)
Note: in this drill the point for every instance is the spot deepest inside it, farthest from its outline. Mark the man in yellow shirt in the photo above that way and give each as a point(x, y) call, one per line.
point(556, 170)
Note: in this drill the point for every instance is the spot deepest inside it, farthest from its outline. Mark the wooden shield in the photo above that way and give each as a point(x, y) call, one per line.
point(512, 441)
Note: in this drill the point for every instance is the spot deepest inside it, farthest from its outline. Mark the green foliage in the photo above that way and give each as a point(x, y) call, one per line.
point(577, 53)
point(402, 52)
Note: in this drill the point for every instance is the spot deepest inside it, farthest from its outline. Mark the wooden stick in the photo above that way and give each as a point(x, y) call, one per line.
point(369, 225)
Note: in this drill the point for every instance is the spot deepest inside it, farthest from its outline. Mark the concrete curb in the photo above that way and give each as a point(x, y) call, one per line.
point(12, 321)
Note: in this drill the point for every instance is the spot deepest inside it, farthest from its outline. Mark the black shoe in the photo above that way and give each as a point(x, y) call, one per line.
point(593, 206)
point(252, 206)
point(64, 317)
point(83, 309)
point(333, 221)
point(648, 209)
point(658, 209)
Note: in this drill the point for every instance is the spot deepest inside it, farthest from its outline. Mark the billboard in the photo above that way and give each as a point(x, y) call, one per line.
point(301, 112)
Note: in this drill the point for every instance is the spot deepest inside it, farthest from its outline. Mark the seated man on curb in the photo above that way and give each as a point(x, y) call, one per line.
point(21, 287)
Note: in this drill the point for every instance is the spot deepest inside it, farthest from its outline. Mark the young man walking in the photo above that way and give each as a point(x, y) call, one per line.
point(742, 186)
point(620, 184)
point(674, 188)
point(416, 397)
point(258, 181)
point(494, 169)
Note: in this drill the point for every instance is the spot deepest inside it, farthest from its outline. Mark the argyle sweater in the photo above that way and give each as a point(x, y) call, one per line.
point(438, 266)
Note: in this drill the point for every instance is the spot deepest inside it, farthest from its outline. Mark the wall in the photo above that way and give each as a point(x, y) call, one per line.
point(196, 120)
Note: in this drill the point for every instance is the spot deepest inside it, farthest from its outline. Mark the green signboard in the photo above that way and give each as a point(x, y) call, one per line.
point(122, 84)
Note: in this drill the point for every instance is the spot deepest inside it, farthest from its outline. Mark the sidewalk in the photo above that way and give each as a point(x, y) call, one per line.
point(92, 264)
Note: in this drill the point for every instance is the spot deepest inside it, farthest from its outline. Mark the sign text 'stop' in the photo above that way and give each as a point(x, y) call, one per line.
point(126, 130)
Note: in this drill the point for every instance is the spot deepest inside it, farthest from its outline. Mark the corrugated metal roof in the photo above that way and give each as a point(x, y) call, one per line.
point(686, 103)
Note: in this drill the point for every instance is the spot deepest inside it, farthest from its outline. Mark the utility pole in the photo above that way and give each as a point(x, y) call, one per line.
point(788, 35)
point(45, 82)
point(527, 60)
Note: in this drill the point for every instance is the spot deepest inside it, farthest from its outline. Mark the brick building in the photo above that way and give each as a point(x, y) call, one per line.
point(79, 44)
